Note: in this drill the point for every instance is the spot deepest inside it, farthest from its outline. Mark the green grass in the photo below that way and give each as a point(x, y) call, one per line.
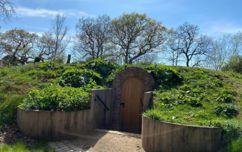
point(20, 147)
point(234, 146)
point(17, 81)
point(204, 98)
point(191, 96)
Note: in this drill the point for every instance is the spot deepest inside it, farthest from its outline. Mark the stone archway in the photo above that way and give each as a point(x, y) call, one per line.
point(129, 87)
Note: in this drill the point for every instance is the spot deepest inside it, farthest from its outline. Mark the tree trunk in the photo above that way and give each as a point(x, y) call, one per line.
point(187, 63)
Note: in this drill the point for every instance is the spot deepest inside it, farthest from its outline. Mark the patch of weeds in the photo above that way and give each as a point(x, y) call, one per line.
point(226, 110)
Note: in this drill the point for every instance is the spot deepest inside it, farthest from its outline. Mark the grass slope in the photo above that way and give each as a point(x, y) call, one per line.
point(204, 97)
point(182, 95)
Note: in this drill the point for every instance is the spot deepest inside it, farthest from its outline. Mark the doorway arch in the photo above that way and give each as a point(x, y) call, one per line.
point(129, 87)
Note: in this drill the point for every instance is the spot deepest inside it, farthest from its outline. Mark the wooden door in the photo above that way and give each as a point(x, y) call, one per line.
point(132, 105)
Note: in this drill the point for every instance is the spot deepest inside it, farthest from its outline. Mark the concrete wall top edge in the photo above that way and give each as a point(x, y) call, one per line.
point(182, 125)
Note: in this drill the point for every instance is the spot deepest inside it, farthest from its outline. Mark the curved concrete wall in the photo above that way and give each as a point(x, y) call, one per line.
point(54, 125)
point(167, 137)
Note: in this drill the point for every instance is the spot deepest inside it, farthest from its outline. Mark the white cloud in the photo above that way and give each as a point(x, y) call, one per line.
point(30, 12)
point(226, 28)
point(219, 28)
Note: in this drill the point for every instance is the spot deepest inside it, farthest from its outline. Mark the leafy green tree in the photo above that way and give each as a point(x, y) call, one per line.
point(17, 46)
point(136, 35)
point(234, 64)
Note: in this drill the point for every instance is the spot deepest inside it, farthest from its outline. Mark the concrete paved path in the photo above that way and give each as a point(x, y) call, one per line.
point(101, 141)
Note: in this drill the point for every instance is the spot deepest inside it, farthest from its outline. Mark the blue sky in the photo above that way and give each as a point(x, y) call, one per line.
point(212, 16)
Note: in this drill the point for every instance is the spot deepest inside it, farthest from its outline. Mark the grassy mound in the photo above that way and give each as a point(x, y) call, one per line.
point(29, 82)
point(182, 95)
point(203, 97)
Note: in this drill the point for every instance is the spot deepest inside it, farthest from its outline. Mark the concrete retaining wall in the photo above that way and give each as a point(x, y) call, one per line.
point(167, 137)
point(54, 125)
point(60, 125)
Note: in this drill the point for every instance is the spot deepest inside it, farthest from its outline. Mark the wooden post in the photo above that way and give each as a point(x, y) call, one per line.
point(68, 59)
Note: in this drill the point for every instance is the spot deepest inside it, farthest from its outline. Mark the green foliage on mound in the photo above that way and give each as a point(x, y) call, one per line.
point(204, 97)
point(165, 77)
point(8, 108)
point(182, 95)
point(104, 68)
point(56, 98)
point(234, 146)
point(80, 78)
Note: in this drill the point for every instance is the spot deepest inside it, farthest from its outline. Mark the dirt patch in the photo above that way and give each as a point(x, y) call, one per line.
point(11, 134)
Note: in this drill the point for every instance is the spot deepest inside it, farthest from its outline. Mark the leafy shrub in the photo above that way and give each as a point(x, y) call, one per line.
point(53, 66)
point(3, 72)
point(46, 66)
point(43, 75)
point(79, 78)
point(234, 146)
point(226, 110)
point(56, 98)
point(225, 98)
point(179, 97)
point(113, 75)
point(232, 129)
point(166, 97)
point(234, 64)
point(153, 114)
point(164, 76)
point(104, 68)
point(2, 98)
point(193, 101)
point(8, 109)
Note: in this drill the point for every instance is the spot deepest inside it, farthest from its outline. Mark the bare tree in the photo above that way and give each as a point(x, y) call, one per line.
point(6, 9)
point(219, 53)
point(223, 48)
point(173, 48)
point(191, 45)
point(93, 37)
point(136, 35)
point(45, 47)
point(236, 44)
point(17, 46)
point(59, 35)
point(148, 58)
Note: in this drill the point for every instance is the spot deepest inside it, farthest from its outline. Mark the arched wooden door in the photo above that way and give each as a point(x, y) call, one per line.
point(132, 105)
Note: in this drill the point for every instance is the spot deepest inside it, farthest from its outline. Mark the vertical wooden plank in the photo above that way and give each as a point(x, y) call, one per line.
point(131, 109)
